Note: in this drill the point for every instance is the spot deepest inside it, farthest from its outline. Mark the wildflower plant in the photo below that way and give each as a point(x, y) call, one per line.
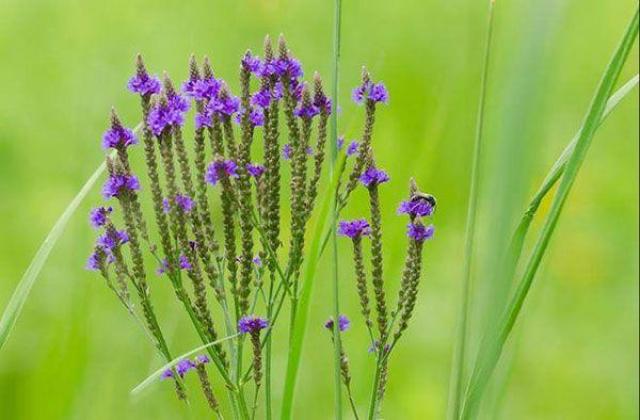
point(247, 270)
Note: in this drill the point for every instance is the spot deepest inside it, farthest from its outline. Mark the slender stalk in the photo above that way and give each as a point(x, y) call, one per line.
point(493, 343)
point(334, 216)
point(457, 371)
point(374, 389)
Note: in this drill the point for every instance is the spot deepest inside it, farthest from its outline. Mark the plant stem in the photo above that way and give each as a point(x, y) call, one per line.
point(493, 343)
point(457, 371)
point(374, 389)
point(334, 209)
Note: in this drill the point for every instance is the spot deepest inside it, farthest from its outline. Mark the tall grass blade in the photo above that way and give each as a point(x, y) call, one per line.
point(155, 375)
point(337, 343)
point(491, 348)
point(459, 357)
point(324, 221)
point(21, 293)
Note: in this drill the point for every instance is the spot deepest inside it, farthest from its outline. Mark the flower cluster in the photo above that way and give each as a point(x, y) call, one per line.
point(220, 254)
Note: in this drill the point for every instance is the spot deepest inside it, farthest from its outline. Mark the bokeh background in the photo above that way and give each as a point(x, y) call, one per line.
point(75, 354)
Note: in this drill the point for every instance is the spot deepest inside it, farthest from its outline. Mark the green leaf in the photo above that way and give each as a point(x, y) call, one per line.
point(492, 346)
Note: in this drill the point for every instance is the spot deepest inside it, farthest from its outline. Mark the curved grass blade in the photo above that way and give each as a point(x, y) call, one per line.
point(460, 348)
point(491, 348)
point(155, 375)
point(556, 171)
point(21, 293)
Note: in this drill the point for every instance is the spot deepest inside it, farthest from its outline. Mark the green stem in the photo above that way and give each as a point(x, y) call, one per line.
point(457, 371)
point(373, 402)
point(337, 348)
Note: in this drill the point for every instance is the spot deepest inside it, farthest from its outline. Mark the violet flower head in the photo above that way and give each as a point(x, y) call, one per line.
point(159, 118)
point(340, 143)
point(373, 176)
point(144, 84)
point(204, 89)
point(94, 262)
point(375, 92)
point(420, 232)
point(118, 137)
point(343, 323)
point(215, 169)
point(287, 152)
point(323, 103)
point(252, 324)
point(183, 264)
point(289, 67)
point(251, 63)
point(184, 366)
point(256, 116)
point(262, 98)
point(416, 208)
point(111, 239)
point(257, 261)
point(184, 203)
point(225, 105)
point(202, 359)
point(306, 111)
point(353, 147)
point(120, 184)
point(98, 217)
point(204, 119)
point(354, 229)
point(268, 68)
point(255, 170)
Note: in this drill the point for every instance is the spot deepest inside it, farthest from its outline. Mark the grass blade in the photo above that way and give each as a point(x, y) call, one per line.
point(21, 293)
point(556, 171)
point(459, 356)
point(155, 375)
point(337, 342)
point(491, 348)
point(322, 224)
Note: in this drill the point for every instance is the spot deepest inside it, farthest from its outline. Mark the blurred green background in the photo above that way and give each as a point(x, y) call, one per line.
point(75, 353)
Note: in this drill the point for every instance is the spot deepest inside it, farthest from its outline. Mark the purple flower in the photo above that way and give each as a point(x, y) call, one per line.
point(204, 119)
point(118, 136)
point(159, 118)
point(202, 359)
point(355, 228)
point(340, 143)
point(343, 323)
point(256, 116)
point(416, 208)
point(112, 239)
point(252, 324)
point(262, 98)
point(251, 63)
point(184, 366)
point(255, 170)
point(257, 261)
point(226, 105)
point(94, 262)
point(353, 147)
point(419, 232)
point(120, 184)
point(323, 103)
point(268, 69)
point(166, 374)
point(98, 216)
point(183, 264)
point(287, 151)
point(183, 201)
point(289, 67)
point(214, 170)
point(373, 176)
point(306, 111)
point(144, 84)
point(376, 92)
point(203, 89)
point(376, 344)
